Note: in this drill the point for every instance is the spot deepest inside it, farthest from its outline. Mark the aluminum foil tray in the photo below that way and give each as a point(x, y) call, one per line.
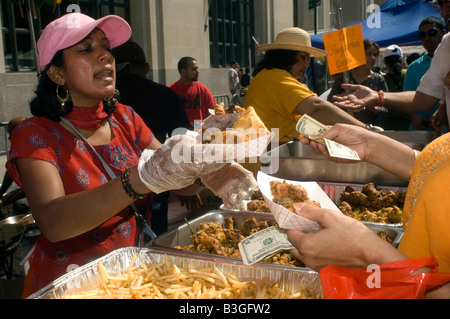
point(298, 162)
point(393, 233)
point(181, 236)
point(88, 277)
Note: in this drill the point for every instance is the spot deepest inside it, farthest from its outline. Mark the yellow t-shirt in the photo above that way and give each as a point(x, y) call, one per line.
point(274, 94)
point(426, 215)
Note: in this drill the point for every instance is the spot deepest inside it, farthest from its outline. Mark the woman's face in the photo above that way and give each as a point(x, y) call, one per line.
point(89, 70)
point(371, 56)
point(299, 68)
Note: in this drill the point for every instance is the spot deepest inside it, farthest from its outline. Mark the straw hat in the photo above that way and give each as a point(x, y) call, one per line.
point(295, 39)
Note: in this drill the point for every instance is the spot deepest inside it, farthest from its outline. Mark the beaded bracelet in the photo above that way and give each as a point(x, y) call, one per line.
point(381, 96)
point(125, 178)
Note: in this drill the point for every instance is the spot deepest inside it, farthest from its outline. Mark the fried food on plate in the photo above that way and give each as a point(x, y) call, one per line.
point(286, 195)
point(251, 124)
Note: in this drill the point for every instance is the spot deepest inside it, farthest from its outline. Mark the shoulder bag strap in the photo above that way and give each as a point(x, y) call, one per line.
point(141, 222)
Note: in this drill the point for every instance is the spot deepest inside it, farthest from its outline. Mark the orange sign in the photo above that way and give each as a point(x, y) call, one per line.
point(345, 49)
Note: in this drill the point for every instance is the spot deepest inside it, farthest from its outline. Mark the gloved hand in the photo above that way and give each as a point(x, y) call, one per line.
point(232, 183)
point(172, 166)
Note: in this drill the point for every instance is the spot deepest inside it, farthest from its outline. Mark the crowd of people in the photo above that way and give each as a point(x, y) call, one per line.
point(95, 160)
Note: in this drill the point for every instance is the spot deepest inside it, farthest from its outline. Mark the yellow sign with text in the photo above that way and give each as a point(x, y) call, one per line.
point(345, 49)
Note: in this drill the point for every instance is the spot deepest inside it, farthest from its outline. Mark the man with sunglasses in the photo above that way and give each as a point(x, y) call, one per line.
point(434, 85)
point(431, 31)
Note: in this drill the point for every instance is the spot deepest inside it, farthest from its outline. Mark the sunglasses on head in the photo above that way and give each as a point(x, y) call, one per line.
point(430, 33)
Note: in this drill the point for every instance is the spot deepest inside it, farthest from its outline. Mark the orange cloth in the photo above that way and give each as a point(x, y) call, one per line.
point(426, 215)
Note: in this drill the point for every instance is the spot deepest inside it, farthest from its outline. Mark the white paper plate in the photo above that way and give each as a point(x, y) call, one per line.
point(285, 218)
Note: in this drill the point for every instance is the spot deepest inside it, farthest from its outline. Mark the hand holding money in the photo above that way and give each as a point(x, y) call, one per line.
point(310, 128)
point(262, 244)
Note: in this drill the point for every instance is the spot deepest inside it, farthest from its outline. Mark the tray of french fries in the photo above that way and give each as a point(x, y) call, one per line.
point(135, 273)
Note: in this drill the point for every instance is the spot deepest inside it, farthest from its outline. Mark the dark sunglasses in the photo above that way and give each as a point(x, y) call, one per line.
point(430, 33)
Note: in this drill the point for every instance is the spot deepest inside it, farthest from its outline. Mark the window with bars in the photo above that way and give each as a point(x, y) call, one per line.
point(231, 27)
point(18, 42)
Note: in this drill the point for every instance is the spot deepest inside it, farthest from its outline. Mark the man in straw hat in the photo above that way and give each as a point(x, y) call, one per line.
point(277, 94)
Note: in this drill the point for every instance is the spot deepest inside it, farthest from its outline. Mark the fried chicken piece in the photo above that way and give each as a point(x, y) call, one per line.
point(286, 195)
point(373, 217)
point(346, 209)
point(283, 189)
point(394, 214)
point(258, 205)
point(371, 191)
point(234, 237)
point(382, 202)
point(229, 223)
point(284, 258)
point(257, 195)
point(251, 225)
point(355, 198)
point(210, 235)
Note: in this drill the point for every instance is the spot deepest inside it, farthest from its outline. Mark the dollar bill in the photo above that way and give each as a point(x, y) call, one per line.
point(262, 244)
point(340, 151)
point(309, 127)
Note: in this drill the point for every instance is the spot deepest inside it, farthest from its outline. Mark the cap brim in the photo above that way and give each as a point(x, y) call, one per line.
point(314, 52)
point(116, 29)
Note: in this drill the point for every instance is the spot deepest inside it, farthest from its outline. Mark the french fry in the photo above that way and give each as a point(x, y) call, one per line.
point(169, 281)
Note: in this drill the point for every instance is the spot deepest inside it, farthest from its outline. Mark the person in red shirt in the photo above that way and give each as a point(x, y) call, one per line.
point(196, 97)
point(88, 164)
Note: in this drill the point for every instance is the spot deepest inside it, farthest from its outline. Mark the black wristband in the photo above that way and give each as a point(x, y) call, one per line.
point(125, 178)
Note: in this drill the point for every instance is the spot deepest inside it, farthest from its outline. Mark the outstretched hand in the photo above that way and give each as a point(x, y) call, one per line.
point(361, 98)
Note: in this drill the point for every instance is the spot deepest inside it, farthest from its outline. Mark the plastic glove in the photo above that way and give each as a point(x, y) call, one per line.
point(232, 184)
point(172, 166)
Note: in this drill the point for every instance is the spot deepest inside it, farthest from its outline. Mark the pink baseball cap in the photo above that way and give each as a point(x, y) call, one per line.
point(71, 28)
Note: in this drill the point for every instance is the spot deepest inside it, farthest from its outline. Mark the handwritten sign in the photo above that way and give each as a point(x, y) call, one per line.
point(345, 49)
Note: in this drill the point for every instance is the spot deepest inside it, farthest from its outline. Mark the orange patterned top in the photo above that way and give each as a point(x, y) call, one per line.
point(426, 215)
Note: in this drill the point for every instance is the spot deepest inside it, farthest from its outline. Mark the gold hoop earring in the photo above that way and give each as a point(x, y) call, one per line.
point(62, 100)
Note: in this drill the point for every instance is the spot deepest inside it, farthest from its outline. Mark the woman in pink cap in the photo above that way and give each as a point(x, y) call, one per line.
point(80, 158)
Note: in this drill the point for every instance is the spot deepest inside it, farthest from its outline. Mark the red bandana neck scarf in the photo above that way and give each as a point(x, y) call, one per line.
point(87, 118)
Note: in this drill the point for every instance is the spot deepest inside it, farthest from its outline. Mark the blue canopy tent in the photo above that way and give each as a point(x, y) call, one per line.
point(399, 23)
